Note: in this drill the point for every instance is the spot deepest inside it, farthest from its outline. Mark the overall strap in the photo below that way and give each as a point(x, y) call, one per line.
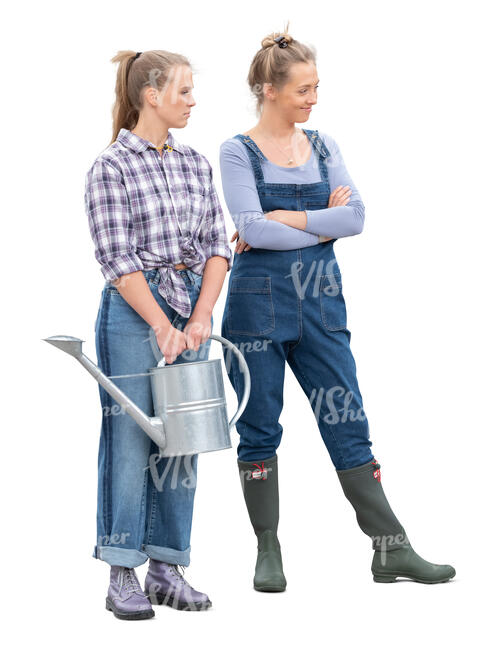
point(255, 156)
point(321, 151)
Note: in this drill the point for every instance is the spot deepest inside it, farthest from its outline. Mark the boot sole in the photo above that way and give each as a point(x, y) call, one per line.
point(271, 588)
point(393, 576)
point(170, 601)
point(136, 616)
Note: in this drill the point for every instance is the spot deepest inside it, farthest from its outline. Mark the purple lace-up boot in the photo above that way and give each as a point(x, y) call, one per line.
point(165, 585)
point(125, 597)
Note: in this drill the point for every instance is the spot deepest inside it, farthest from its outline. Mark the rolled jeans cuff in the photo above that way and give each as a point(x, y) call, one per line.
point(126, 557)
point(168, 555)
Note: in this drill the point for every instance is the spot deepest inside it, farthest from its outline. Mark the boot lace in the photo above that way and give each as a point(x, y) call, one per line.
point(178, 571)
point(130, 582)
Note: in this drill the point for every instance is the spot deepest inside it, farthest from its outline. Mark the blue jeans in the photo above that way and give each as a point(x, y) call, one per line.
point(145, 504)
point(288, 307)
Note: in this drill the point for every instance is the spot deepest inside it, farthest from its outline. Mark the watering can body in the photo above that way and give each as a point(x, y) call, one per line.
point(189, 400)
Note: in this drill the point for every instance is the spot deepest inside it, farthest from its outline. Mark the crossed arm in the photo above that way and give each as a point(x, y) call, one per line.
point(286, 229)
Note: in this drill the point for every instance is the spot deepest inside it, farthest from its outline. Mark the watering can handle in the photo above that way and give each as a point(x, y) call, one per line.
point(244, 369)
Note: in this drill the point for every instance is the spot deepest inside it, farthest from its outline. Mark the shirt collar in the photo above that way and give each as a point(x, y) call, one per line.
point(137, 144)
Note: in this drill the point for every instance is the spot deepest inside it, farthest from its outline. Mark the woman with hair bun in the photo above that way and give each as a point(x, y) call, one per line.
point(160, 238)
point(290, 196)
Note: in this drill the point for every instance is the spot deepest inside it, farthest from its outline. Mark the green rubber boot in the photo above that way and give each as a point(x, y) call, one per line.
point(393, 554)
point(259, 481)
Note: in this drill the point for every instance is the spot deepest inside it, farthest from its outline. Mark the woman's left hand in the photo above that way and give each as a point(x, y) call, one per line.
point(197, 329)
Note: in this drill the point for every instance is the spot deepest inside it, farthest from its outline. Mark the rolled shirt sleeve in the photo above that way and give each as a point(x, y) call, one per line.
point(213, 234)
point(110, 221)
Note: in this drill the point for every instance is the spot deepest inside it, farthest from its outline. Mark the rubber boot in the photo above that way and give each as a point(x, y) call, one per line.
point(259, 481)
point(393, 553)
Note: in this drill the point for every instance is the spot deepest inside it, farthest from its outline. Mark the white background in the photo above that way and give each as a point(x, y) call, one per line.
point(412, 94)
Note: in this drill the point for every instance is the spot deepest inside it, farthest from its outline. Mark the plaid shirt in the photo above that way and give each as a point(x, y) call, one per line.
point(150, 212)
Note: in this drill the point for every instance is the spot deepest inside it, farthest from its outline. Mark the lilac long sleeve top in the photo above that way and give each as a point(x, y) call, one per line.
point(243, 201)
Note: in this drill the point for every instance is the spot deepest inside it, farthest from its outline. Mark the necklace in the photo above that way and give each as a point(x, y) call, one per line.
point(290, 159)
point(165, 147)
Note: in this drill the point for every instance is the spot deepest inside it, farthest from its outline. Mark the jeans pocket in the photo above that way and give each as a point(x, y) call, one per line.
point(332, 303)
point(109, 288)
point(152, 277)
point(250, 306)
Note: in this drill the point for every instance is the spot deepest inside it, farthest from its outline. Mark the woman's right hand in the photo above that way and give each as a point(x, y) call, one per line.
point(241, 245)
point(171, 342)
point(340, 196)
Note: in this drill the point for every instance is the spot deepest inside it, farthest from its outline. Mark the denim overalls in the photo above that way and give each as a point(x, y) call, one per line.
point(287, 306)
point(145, 504)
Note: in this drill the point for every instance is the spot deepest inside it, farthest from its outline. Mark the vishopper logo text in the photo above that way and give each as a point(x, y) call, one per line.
point(244, 347)
point(115, 538)
point(323, 400)
point(385, 543)
point(179, 469)
point(330, 270)
point(115, 409)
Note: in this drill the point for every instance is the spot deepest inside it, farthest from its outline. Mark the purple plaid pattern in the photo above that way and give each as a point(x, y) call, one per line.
point(150, 212)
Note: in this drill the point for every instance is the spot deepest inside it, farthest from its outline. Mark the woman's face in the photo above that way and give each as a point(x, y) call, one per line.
point(175, 100)
point(295, 99)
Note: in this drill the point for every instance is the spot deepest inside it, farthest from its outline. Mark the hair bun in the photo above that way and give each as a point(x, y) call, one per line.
point(269, 40)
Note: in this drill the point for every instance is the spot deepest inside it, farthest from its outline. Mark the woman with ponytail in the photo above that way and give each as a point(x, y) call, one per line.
point(291, 197)
point(160, 238)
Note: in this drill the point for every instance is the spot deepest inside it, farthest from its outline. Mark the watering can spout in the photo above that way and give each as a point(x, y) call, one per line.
point(153, 427)
point(69, 344)
point(188, 399)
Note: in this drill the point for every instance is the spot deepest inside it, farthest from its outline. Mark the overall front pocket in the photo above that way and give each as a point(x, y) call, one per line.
point(332, 303)
point(250, 307)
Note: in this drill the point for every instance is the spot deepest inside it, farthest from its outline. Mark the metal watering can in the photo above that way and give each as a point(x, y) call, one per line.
point(189, 400)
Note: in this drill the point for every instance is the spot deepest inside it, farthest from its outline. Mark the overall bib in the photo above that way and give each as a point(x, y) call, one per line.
point(288, 306)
